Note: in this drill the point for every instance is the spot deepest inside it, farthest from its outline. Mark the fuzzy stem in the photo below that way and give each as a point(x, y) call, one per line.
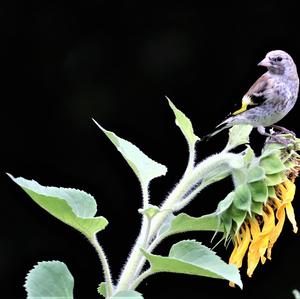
point(191, 161)
point(128, 271)
point(202, 170)
point(151, 247)
point(140, 278)
point(105, 266)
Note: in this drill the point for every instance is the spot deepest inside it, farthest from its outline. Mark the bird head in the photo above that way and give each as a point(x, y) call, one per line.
point(278, 62)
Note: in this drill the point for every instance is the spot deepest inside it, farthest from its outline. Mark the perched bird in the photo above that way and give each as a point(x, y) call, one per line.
point(270, 98)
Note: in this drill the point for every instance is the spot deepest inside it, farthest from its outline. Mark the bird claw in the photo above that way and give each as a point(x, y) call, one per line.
point(281, 130)
point(277, 139)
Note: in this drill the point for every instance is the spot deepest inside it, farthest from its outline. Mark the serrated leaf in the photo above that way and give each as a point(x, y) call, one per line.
point(49, 280)
point(184, 124)
point(242, 198)
point(184, 223)
point(272, 164)
point(274, 179)
point(102, 289)
point(144, 167)
point(238, 135)
point(127, 294)
point(255, 174)
point(193, 258)
point(259, 191)
point(73, 207)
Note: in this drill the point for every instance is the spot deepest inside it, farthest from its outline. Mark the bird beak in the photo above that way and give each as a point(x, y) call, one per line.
point(265, 62)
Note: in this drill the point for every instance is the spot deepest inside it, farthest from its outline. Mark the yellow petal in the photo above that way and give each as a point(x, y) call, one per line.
point(288, 198)
point(291, 215)
point(259, 245)
point(280, 215)
point(254, 228)
point(290, 190)
point(241, 247)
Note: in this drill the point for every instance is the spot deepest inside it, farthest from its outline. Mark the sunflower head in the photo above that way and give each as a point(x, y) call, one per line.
point(254, 213)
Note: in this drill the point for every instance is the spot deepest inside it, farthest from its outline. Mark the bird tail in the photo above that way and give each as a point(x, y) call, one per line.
point(220, 127)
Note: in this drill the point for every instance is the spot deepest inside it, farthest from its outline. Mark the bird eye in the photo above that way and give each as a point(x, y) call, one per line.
point(278, 58)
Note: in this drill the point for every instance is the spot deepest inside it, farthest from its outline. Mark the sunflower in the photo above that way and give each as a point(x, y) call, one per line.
point(255, 212)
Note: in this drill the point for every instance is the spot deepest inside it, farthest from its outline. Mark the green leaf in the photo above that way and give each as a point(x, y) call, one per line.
point(259, 191)
point(239, 176)
point(274, 179)
point(271, 192)
point(102, 289)
point(225, 203)
point(193, 258)
point(227, 222)
point(127, 294)
point(184, 223)
point(49, 280)
point(184, 124)
point(255, 174)
point(150, 211)
point(272, 148)
point(238, 216)
point(272, 164)
point(145, 168)
point(257, 207)
point(248, 155)
point(238, 135)
point(73, 207)
point(242, 198)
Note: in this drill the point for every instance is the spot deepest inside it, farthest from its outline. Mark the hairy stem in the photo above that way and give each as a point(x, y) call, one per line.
point(191, 162)
point(140, 278)
point(151, 247)
point(221, 161)
point(105, 266)
point(205, 169)
point(128, 272)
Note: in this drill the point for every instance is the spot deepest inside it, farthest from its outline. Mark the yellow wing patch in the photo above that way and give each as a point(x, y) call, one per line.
point(246, 101)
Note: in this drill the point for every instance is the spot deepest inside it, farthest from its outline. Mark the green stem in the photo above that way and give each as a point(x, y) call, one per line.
point(191, 162)
point(140, 278)
point(204, 169)
point(128, 272)
point(148, 225)
point(151, 247)
point(221, 161)
point(105, 266)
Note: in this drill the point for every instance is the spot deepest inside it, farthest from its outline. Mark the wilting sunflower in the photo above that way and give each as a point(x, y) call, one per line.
point(256, 210)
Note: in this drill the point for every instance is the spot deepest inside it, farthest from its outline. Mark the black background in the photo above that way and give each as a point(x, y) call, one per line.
point(63, 64)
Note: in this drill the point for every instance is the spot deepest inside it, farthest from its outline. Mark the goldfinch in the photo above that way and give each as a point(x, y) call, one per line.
point(270, 98)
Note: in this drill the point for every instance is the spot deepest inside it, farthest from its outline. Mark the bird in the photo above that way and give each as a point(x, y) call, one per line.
point(269, 99)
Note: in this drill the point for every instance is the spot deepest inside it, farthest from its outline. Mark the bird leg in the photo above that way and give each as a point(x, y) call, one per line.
point(283, 130)
point(272, 138)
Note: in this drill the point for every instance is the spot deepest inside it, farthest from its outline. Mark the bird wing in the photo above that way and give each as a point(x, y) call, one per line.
point(255, 96)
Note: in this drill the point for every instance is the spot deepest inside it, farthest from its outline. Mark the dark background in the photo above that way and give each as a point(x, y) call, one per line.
point(63, 64)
